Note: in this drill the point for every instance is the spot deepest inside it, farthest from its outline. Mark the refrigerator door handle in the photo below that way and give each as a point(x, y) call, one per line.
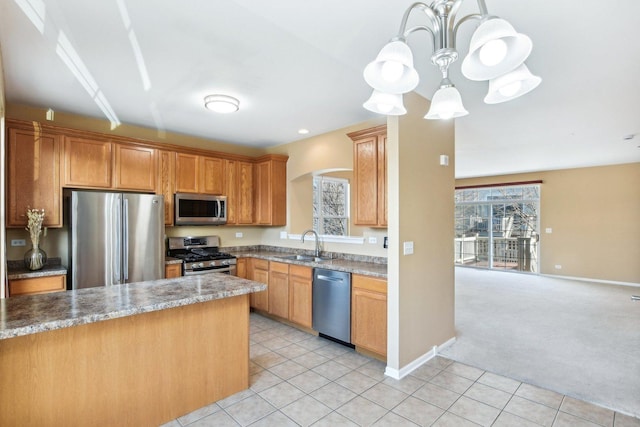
point(125, 241)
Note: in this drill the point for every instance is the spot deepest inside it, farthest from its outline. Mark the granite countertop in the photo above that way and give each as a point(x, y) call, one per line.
point(17, 270)
point(30, 314)
point(367, 268)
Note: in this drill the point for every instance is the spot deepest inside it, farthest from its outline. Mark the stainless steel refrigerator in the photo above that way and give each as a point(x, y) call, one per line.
point(115, 238)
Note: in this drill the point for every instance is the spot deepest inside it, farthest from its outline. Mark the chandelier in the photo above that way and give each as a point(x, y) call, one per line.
point(496, 53)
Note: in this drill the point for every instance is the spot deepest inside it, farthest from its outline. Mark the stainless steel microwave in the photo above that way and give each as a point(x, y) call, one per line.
point(200, 209)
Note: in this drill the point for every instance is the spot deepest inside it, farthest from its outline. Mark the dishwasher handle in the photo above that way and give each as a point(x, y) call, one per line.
point(329, 278)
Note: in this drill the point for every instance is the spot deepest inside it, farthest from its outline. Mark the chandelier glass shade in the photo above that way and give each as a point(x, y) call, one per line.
point(496, 54)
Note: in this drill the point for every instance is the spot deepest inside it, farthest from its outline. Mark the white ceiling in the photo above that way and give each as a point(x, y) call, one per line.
point(298, 64)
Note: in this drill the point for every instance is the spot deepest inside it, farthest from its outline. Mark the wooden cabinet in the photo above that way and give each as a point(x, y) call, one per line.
point(241, 268)
point(134, 168)
point(300, 294)
point(258, 271)
point(211, 176)
point(33, 176)
point(370, 176)
point(172, 270)
point(165, 182)
point(271, 190)
point(239, 192)
point(279, 289)
point(369, 313)
point(199, 174)
point(37, 285)
point(87, 163)
point(187, 173)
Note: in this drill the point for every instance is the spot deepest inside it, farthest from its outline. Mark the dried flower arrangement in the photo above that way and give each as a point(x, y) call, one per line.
point(35, 258)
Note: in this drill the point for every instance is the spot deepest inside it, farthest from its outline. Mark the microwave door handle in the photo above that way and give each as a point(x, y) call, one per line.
point(219, 209)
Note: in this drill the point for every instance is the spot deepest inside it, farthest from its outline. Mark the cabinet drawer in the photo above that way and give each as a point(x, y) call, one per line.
point(301, 271)
point(279, 267)
point(369, 283)
point(38, 285)
point(260, 264)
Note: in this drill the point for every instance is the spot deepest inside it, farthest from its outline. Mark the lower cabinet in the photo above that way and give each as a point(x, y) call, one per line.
point(369, 314)
point(241, 268)
point(258, 271)
point(279, 289)
point(37, 285)
point(300, 303)
point(172, 270)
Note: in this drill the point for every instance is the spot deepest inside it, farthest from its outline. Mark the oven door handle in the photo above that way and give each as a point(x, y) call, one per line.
point(227, 270)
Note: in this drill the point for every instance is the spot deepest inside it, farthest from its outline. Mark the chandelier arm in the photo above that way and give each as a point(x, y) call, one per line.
point(419, 28)
point(427, 10)
point(465, 19)
point(483, 8)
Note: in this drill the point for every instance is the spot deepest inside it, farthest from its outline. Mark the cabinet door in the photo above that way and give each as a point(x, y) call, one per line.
point(87, 163)
point(279, 289)
point(263, 188)
point(37, 285)
point(241, 268)
point(231, 190)
point(300, 293)
point(259, 272)
point(187, 173)
point(382, 180)
point(135, 168)
point(245, 193)
point(211, 176)
point(172, 270)
point(165, 182)
point(365, 160)
point(33, 177)
point(369, 314)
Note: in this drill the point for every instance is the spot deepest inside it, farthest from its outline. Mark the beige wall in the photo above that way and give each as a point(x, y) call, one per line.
point(594, 214)
point(421, 286)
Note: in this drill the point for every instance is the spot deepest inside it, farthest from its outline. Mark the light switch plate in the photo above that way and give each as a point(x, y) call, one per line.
point(239, 235)
point(373, 240)
point(548, 230)
point(408, 248)
point(18, 242)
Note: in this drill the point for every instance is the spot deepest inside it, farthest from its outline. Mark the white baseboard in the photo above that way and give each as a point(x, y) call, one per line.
point(586, 279)
point(398, 374)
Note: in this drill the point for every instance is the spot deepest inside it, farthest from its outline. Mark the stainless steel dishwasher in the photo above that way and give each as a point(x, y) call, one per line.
point(332, 304)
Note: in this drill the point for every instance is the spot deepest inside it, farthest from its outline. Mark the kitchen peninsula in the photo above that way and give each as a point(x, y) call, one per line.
point(136, 354)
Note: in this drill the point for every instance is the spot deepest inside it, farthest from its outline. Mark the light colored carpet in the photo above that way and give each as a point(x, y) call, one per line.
point(577, 338)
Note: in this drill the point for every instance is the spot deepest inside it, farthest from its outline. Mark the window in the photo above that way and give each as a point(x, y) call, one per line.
point(331, 206)
point(497, 227)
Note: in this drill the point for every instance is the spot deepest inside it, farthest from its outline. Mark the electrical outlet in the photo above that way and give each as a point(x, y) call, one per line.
point(373, 240)
point(558, 267)
point(239, 235)
point(283, 234)
point(18, 242)
point(548, 230)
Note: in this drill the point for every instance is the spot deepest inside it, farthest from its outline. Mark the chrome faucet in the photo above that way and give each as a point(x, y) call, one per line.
point(317, 254)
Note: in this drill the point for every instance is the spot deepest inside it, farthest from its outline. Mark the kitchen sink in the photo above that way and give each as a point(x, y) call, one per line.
point(309, 258)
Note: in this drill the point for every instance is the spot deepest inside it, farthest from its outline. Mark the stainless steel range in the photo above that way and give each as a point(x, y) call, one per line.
point(200, 255)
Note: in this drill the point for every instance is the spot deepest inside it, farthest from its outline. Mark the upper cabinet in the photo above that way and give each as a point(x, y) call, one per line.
point(42, 159)
point(271, 190)
point(165, 182)
point(199, 174)
point(239, 192)
point(87, 163)
point(370, 176)
point(135, 168)
point(33, 176)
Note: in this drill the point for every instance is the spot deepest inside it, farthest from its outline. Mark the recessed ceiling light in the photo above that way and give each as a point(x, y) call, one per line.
point(221, 103)
point(303, 131)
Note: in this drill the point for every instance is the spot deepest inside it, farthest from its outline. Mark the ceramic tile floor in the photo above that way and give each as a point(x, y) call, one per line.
point(299, 379)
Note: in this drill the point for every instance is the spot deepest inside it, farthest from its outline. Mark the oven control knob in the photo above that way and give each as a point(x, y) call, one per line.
point(201, 265)
point(194, 265)
point(212, 264)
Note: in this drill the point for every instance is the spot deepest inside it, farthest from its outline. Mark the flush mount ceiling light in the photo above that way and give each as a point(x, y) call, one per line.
point(496, 53)
point(221, 103)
